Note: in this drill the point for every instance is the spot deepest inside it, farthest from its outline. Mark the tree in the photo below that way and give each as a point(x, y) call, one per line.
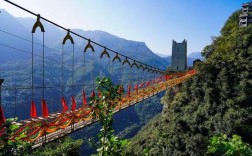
point(104, 105)
point(222, 145)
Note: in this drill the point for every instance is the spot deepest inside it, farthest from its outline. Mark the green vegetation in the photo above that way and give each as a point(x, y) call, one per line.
point(222, 145)
point(104, 106)
point(61, 147)
point(12, 147)
point(126, 123)
point(215, 101)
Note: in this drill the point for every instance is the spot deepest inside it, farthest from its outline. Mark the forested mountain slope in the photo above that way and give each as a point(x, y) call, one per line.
point(218, 100)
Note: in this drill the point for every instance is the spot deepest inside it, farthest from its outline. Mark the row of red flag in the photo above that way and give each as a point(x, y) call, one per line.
point(45, 112)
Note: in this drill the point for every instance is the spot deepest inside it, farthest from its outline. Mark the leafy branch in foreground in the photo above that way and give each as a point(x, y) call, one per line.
point(104, 105)
point(222, 145)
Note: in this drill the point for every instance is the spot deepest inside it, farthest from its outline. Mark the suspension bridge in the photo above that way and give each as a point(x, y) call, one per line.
point(144, 81)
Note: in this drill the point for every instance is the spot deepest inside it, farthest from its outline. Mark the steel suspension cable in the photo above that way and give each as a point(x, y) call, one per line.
point(32, 76)
point(73, 72)
point(100, 71)
point(62, 70)
point(43, 65)
point(93, 71)
point(84, 69)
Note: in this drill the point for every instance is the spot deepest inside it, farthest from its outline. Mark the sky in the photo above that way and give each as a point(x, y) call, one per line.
point(155, 22)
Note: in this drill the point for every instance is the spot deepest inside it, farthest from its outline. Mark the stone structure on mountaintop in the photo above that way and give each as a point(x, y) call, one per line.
point(179, 56)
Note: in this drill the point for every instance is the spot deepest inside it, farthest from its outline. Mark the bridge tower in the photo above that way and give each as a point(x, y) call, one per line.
point(179, 56)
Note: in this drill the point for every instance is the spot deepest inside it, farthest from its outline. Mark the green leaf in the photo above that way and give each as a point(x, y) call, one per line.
point(23, 135)
point(13, 127)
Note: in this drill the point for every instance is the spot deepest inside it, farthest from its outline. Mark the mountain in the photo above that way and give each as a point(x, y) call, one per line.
point(9, 40)
point(52, 34)
point(129, 48)
point(196, 55)
point(190, 58)
point(162, 55)
point(134, 49)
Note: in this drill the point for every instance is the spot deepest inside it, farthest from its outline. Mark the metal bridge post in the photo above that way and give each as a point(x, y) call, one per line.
point(44, 137)
point(72, 125)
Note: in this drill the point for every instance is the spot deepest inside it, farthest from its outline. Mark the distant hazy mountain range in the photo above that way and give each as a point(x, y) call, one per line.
point(191, 55)
point(161, 55)
point(53, 38)
point(190, 58)
point(196, 55)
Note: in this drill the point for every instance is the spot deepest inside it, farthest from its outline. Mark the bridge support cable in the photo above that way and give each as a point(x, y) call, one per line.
point(93, 73)
point(84, 99)
point(89, 46)
point(63, 100)
point(127, 76)
point(33, 112)
point(105, 53)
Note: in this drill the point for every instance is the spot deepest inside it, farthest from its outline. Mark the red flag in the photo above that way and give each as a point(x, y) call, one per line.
point(120, 89)
point(84, 98)
point(99, 93)
point(93, 94)
point(73, 104)
point(167, 77)
point(2, 118)
point(136, 88)
point(33, 110)
point(141, 85)
point(163, 78)
point(129, 88)
point(192, 71)
point(45, 112)
point(148, 83)
point(64, 104)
